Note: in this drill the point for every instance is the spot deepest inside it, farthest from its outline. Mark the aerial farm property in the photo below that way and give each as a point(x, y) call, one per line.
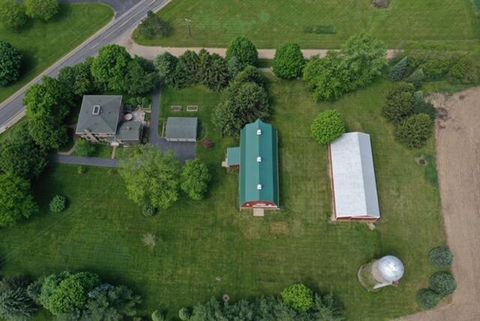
point(238, 161)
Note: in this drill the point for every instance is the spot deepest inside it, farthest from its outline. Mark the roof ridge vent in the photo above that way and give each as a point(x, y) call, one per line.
point(259, 159)
point(259, 187)
point(259, 132)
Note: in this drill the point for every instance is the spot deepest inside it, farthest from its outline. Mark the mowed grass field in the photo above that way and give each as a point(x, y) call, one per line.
point(271, 23)
point(44, 43)
point(209, 248)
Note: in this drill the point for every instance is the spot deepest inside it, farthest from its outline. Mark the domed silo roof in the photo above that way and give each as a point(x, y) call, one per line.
point(391, 268)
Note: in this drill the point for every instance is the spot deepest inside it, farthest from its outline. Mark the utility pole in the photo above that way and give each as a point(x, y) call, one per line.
point(189, 26)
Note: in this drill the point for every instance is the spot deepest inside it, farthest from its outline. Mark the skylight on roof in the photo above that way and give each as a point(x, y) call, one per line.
point(96, 110)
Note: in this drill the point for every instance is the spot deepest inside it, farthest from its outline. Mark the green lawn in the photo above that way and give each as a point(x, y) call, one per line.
point(42, 44)
point(271, 23)
point(208, 248)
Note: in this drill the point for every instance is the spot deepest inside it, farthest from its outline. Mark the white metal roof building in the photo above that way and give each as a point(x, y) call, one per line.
point(353, 178)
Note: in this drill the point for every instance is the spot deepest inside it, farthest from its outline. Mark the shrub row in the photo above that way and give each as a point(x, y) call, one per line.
point(412, 116)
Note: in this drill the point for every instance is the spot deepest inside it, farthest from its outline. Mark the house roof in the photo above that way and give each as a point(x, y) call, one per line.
point(259, 163)
point(353, 174)
point(129, 131)
point(233, 156)
point(99, 114)
point(181, 128)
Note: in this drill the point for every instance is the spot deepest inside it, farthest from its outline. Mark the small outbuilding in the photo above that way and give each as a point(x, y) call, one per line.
point(353, 178)
point(181, 129)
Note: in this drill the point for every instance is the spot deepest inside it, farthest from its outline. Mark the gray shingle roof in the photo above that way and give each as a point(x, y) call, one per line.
point(105, 121)
point(353, 173)
point(181, 128)
point(129, 131)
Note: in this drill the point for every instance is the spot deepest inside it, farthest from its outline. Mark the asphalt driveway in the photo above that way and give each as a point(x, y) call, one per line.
point(184, 151)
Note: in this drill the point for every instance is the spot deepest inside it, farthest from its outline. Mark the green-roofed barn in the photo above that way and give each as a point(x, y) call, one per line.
point(258, 160)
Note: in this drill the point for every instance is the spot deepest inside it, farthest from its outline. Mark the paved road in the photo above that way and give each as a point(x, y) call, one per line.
point(12, 109)
point(184, 151)
point(85, 161)
point(120, 6)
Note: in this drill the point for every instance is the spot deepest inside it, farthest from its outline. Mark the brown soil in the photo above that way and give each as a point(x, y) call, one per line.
point(458, 151)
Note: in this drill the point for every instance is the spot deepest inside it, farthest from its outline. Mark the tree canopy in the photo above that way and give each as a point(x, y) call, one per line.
point(328, 126)
point(42, 9)
point(15, 303)
point(111, 66)
point(299, 297)
point(16, 201)
point(288, 62)
point(20, 155)
point(65, 292)
point(415, 131)
point(269, 308)
point(151, 177)
point(153, 27)
point(10, 64)
point(47, 105)
point(194, 179)
point(243, 103)
point(356, 65)
point(78, 78)
point(244, 50)
point(165, 65)
point(12, 14)
point(141, 77)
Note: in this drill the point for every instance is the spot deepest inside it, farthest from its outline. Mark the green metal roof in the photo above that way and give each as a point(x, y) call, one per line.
point(233, 156)
point(259, 163)
point(99, 114)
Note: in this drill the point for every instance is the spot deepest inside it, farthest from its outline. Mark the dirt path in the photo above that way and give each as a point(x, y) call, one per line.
point(150, 52)
point(458, 153)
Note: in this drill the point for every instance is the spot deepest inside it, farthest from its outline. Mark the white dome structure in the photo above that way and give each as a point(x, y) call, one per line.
point(385, 271)
point(390, 268)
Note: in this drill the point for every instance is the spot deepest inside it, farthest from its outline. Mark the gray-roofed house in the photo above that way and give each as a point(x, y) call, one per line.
point(353, 178)
point(181, 129)
point(101, 120)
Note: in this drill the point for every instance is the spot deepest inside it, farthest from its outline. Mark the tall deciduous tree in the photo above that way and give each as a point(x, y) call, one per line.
point(47, 106)
point(151, 177)
point(289, 61)
point(12, 14)
point(10, 64)
point(141, 77)
point(194, 179)
point(42, 9)
point(20, 155)
point(356, 65)
point(16, 201)
point(65, 292)
point(165, 64)
point(79, 78)
point(111, 67)
point(244, 50)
